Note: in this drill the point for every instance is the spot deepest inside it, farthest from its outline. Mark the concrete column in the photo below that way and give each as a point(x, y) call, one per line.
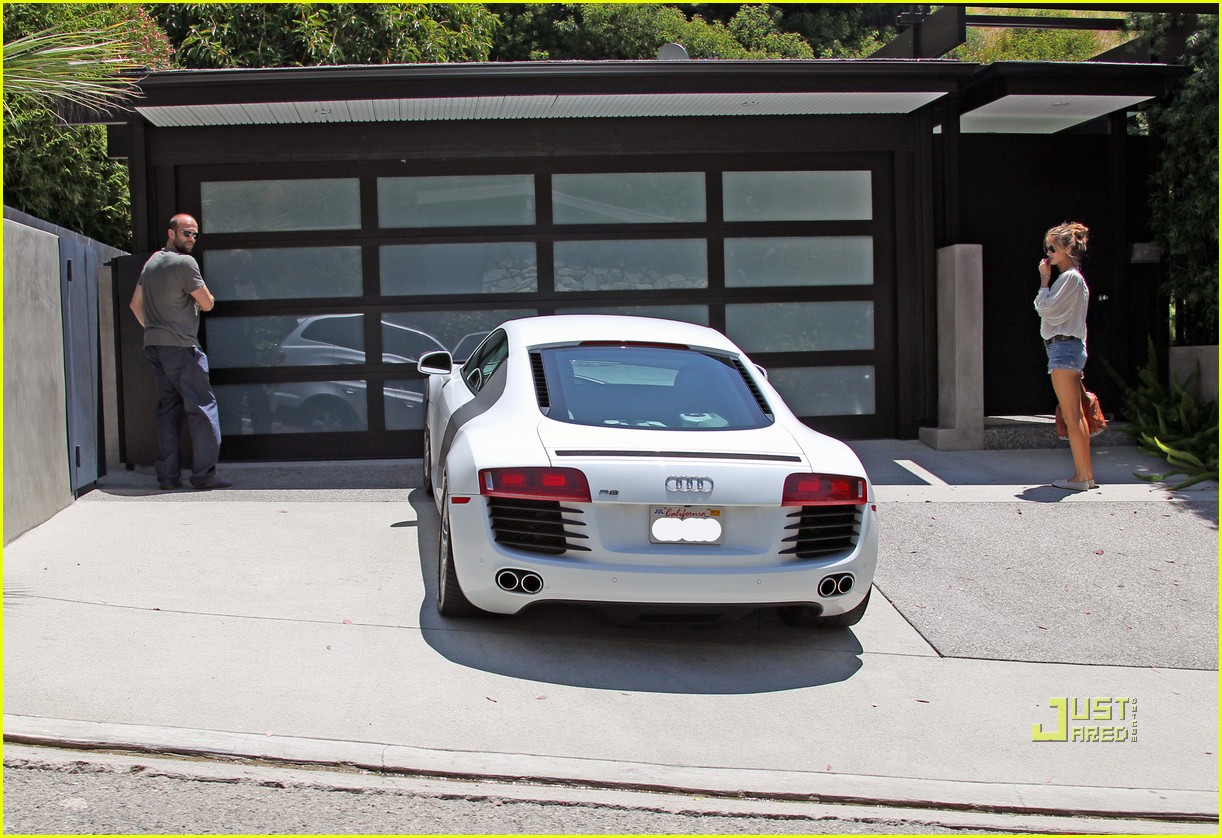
point(960, 350)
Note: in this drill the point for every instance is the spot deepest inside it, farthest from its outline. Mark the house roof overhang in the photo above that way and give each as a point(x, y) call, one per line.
point(1006, 98)
point(1047, 97)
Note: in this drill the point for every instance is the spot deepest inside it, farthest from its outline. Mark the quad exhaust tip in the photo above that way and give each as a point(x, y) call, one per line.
point(838, 584)
point(519, 581)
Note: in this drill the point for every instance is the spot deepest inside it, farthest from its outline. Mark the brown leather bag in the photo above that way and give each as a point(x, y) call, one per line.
point(1095, 419)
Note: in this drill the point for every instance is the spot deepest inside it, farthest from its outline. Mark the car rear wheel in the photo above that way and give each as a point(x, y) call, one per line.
point(804, 616)
point(451, 601)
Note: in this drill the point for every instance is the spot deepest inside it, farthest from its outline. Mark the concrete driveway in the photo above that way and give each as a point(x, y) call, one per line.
point(292, 618)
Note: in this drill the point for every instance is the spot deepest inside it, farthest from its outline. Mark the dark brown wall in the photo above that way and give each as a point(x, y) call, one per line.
point(1013, 188)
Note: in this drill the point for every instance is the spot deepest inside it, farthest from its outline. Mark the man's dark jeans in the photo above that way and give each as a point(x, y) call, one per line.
point(183, 388)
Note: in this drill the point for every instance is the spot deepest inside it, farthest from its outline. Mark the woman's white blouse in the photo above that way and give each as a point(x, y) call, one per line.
point(1062, 307)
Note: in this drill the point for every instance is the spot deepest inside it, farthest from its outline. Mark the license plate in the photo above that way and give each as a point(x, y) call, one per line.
point(685, 524)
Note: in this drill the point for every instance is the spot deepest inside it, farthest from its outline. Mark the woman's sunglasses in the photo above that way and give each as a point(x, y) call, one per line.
point(1050, 248)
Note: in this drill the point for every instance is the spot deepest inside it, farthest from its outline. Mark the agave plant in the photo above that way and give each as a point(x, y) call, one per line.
point(89, 68)
point(1169, 423)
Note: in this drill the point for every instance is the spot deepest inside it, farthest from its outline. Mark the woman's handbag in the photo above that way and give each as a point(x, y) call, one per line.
point(1090, 409)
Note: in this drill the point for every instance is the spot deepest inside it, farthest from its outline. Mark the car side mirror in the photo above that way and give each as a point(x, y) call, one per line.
point(435, 363)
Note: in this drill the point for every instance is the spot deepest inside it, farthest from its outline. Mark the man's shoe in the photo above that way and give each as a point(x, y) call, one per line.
point(214, 482)
point(169, 485)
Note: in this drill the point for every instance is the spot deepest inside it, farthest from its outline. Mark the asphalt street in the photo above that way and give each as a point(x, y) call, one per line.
point(291, 618)
point(53, 791)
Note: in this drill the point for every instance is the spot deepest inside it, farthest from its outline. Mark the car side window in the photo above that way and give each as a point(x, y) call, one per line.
point(486, 360)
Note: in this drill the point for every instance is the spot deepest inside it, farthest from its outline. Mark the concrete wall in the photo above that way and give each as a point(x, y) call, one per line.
point(36, 478)
point(1197, 365)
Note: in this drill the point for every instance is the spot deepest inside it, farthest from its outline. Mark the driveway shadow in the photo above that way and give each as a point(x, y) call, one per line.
point(1044, 494)
point(572, 646)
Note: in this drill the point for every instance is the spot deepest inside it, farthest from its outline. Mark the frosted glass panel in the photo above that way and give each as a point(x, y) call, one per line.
point(457, 331)
point(687, 314)
point(286, 341)
point(292, 407)
point(753, 263)
point(283, 273)
point(801, 327)
point(404, 405)
point(240, 206)
point(648, 198)
point(459, 201)
point(797, 196)
point(486, 268)
point(826, 391)
point(631, 265)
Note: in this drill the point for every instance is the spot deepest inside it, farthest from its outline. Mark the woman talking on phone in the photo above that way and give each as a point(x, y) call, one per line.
point(1062, 309)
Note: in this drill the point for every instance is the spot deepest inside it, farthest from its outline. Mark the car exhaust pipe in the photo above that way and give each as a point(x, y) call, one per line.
point(837, 585)
point(530, 583)
point(508, 580)
point(519, 581)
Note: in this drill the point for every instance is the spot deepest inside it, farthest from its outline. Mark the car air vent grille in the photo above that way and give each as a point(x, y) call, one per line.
point(755, 390)
point(536, 369)
point(537, 526)
point(823, 530)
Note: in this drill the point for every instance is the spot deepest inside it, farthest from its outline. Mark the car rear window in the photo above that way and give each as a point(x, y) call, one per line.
point(649, 387)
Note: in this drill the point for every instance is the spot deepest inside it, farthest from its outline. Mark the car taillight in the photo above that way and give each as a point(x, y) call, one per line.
point(816, 489)
point(535, 483)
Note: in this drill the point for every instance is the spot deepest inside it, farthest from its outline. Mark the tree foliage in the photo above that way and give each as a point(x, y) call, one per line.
point(57, 172)
point(832, 30)
point(1184, 185)
point(635, 31)
point(987, 45)
point(212, 35)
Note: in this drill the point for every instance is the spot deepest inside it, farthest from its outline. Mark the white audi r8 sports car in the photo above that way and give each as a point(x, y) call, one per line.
point(632, 461)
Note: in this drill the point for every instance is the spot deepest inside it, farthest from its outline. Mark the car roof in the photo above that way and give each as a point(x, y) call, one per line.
point(571, 328)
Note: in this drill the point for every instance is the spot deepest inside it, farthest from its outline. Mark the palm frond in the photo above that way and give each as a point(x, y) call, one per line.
point(89, 68)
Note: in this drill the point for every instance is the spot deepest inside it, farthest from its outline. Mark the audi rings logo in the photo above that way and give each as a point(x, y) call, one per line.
point(700, 485)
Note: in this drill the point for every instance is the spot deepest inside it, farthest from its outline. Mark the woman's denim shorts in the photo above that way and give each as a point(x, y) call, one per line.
point(1066, 355)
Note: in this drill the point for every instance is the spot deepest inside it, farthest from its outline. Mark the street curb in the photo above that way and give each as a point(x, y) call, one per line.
point(915, 793)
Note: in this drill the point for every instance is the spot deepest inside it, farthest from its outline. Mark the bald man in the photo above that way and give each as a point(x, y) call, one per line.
point(169, 296)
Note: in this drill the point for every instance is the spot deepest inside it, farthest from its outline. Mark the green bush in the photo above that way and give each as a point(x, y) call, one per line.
point(1168, 422)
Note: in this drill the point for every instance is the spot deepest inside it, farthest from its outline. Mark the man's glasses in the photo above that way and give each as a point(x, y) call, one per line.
point(194, 234)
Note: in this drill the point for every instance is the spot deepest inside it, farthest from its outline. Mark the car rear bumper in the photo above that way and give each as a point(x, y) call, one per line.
point(485, 569)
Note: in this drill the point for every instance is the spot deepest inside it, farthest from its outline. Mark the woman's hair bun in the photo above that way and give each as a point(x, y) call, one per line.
point(1071, 235)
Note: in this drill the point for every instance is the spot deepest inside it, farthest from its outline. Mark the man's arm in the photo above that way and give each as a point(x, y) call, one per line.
point(204, 297)
point(137, 304)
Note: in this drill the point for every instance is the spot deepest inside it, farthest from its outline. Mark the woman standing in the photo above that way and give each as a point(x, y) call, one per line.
point(1062, 309)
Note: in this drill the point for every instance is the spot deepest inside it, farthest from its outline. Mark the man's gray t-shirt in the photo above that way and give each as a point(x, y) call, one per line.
point(171, 315)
